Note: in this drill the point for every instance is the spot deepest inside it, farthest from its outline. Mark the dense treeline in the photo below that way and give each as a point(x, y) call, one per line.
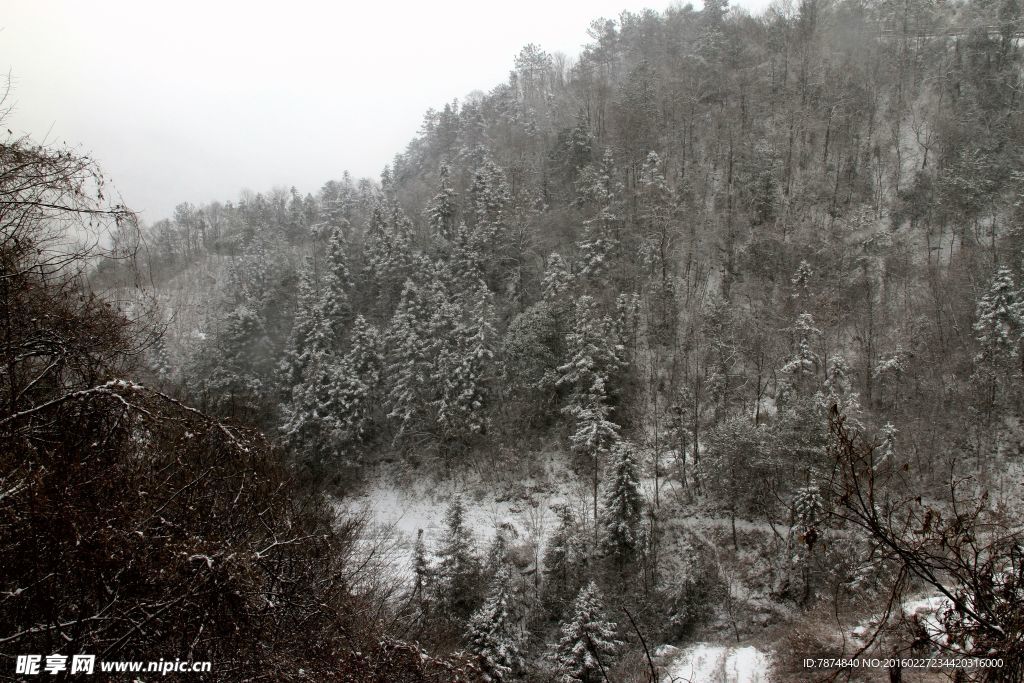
point(132, 526)
point(673, 256)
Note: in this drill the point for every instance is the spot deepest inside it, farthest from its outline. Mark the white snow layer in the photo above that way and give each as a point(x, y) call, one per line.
point(927, 610)
point(706, 663)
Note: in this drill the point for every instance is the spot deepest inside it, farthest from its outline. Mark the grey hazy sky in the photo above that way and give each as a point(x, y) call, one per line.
point(193, 101)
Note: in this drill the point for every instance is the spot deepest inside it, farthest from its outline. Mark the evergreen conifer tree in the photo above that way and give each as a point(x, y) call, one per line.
point(601, 237)
point(358, 379)
point(462, 406)
point(423, 582)
point(442, 208)
point(999, 324)
point(801, 282)
point(388, 253)
point(492, 633)
point(564, 559)
point(587, 646)
point(804, 363)
point(557, 280)
point(594, 356)
point(311, 418)
point(337, 284)
point(291, 367)
point(622, 514)
point(160, 360)
point(408, 366)
point(458, 567)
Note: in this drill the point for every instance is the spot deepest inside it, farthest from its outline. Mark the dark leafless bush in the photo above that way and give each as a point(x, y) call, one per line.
point(959, 548)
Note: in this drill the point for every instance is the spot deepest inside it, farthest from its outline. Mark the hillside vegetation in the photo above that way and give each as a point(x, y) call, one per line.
point(753, 280)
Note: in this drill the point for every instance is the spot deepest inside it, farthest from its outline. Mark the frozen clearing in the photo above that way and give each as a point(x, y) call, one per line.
point(398, 514)
point(927, 611)
point(706, 663)
point(409, 511)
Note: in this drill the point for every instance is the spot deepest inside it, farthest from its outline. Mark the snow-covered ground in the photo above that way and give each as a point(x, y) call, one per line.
point(926, 610)
point(398, 514)
point(406, 512)
point(709, 663)
point(929, 611)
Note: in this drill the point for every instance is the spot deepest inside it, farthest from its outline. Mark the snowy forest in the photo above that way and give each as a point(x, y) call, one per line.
point(691, 357)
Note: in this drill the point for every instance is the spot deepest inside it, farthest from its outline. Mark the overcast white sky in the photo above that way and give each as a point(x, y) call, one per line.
point(193, 101)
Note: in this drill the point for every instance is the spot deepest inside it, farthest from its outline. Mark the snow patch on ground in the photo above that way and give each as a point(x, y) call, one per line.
point(926, 610)
point(409, 511)
point(707, 663)
point(395, 515)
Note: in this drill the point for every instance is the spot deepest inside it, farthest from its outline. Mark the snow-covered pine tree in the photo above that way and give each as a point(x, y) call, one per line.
point(627, 320)
point(889, 373)
point(493, 632)
point(565, 558)
point(408, 367)
point(387, 181)
point(594, 434)
point(311, 418)
point(587, 646)
point(622, 513)
point(444, 346)
point(376, 245)
point(888, 447)
point(593, 347)
point(657, 193)
point(1000, 333)
point(466, 263)
point(557, 281)
point(237, 365)
point(838, 391)
point(337, 201)
point(458, 568)
point(461, 410)
point(160, 361)
point(235, 383)
point(1000, 324)
point(594, 357)
point(442, 208)
point(388, 253)
point(803, 365)
point(250, 278)
point(530, 355)
point(297, 226)
point(337, 284)
point(420, 567)
point(600, 240)
point(489, 194)
point(489, 227)
point(656, 204)
point(358, 380)
point(801, 282)
point(557, 288)
point(808, 509)
point(290, 369)
point(423, 577)
point(580, 144)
